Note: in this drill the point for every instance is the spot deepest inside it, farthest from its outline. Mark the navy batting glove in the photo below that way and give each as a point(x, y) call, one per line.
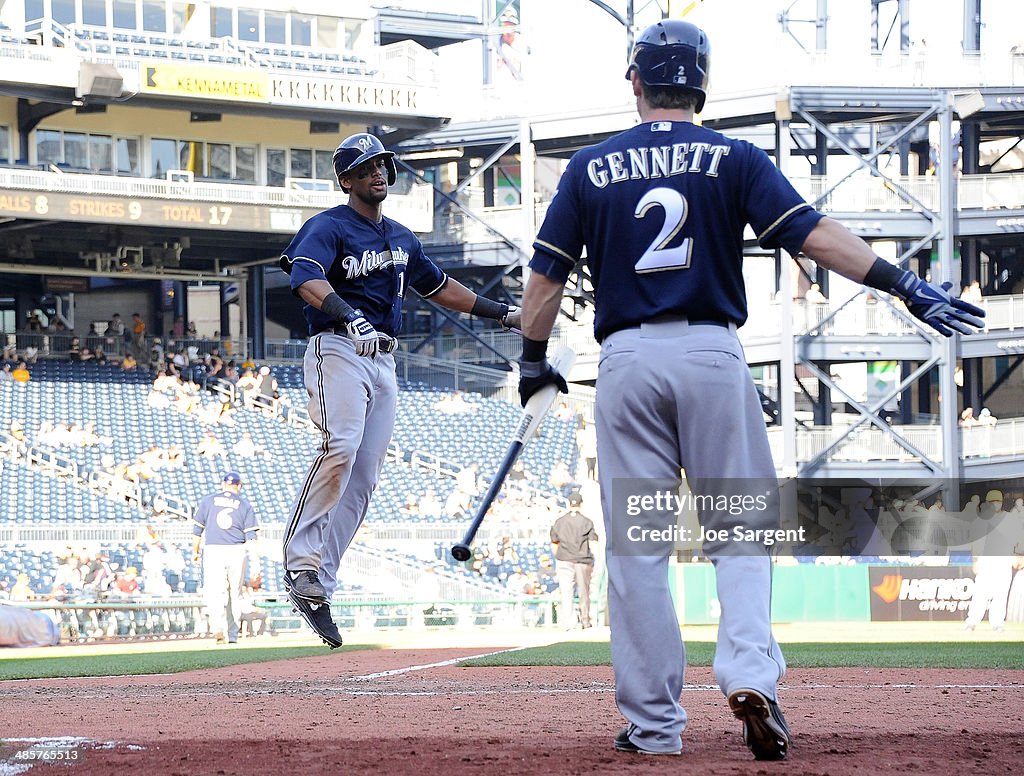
point(936, 307)
point(534, 375)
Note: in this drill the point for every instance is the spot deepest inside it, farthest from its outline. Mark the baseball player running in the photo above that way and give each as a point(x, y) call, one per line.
point(661, 209)
point(352, 266)
point(233, 524)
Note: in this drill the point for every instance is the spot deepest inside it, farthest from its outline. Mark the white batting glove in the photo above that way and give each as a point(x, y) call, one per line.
point(362, 334)
point(513, 319)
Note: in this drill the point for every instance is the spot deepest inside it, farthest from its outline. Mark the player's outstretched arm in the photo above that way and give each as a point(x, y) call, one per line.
point(833, 246)
point(457, 297)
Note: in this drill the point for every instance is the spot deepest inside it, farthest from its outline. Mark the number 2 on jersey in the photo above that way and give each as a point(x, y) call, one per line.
point(658, 257)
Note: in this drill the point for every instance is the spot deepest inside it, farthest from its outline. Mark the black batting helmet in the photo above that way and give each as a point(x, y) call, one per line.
point(673, 53)
point(356, 149)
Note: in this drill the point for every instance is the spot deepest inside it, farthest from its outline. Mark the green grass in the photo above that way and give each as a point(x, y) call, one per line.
point(163, 662)
point(1005, 655)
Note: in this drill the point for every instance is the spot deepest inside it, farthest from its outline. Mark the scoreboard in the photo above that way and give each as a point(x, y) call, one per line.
point(190, 214)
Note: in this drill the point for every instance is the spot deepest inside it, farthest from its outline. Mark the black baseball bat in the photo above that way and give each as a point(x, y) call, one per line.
point(533, 413)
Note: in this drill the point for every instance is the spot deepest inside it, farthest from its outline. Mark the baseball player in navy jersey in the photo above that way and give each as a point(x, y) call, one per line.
point(661, 209)
point(353, 267)
point(229, 522)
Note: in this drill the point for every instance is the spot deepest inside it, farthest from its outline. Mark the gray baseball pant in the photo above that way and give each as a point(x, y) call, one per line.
point(223, 572)
point(673, 396)
point(352, 401)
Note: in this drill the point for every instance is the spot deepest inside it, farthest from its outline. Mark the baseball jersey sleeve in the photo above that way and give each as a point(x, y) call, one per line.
point(775, 210)
point(559, 242)
point(311, 252)
point(201, 516)
point(425, 277)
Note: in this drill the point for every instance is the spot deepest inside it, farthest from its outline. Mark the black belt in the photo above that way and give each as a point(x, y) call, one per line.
point(692, 321)
point(388, 343)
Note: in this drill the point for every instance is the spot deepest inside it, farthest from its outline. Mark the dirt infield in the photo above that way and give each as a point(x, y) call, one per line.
point(399, 712)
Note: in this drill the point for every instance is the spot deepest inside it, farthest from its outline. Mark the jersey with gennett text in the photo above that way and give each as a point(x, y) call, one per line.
point(369, 264)
point(661, 209)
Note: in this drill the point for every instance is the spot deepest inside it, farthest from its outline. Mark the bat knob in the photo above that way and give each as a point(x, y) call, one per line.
point(461, 552)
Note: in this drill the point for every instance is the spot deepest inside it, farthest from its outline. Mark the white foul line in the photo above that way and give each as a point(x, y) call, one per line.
point(428, 666)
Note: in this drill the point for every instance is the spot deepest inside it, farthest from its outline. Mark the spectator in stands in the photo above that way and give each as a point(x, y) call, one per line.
point(560, 477)
point(268, 384)
point(246, 384)
point(191, 331)
point(246, 447)
point(21, 373)
point(98, 356)
point(126, 583)
point(157, 400)
point(68, 576)
point(430, 505)
point(814, 296)
point(19, 440)
point(564, 412)
point(30, 355)
point(453, 404)
point(34, 323)
point(254, 620)
point(21, 591)
point(211, 447)
point(99, 575)
point(986, 418)
point(10, 353)
point(1018, 506)
point(75, 350)
point(128, 362)
point(138, 334)
point(6, 374)
point(115, 327)
point(156, 352)
point(967, 419)
point(5, 592)
point(178, 328)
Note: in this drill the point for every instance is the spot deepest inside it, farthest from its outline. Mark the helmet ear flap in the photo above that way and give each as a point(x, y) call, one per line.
point(389, 162)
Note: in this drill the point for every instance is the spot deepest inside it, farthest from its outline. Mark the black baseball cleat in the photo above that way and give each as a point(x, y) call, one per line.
point(317, 615)
point(764, 728)
point(305, 584)
point(623, 744)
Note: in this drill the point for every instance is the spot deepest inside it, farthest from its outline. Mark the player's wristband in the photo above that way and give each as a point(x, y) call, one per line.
point(488, 308)
point(885, 276)
point(336, 307)
point(534, 350)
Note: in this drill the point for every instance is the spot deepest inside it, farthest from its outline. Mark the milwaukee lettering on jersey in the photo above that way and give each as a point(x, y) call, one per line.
point(645, 163)
point(372, 261)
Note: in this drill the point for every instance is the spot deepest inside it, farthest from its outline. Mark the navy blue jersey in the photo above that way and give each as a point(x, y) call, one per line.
point(661, 209)
point(370, 265)
point(234, 520)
